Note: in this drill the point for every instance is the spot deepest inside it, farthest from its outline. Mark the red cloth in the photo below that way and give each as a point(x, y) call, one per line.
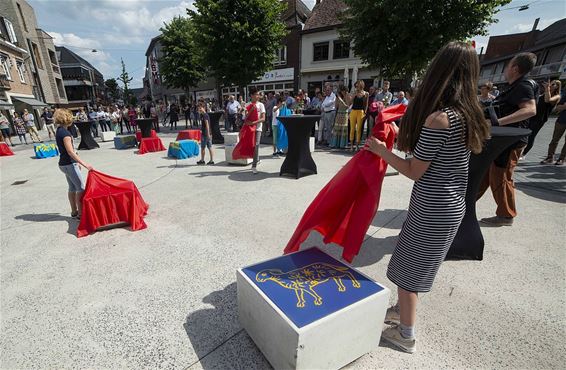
point(189, 135)
point(139, 137)
point(151, 144)
point(5, 150)
point(109, 200)
point(345, 207)
point(246, 142)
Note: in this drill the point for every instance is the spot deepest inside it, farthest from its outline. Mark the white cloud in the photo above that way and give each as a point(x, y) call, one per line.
point(526, 27)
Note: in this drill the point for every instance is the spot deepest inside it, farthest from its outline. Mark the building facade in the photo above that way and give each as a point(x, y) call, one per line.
point(83, 84)
point(325, 57)
point(549, 45)
point(42, 63)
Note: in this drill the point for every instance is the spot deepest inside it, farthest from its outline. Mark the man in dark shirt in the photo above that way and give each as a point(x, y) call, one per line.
point(515, 106)
point(206, 136)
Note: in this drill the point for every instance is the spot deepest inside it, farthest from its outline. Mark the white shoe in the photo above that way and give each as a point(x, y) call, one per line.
point(254, 171)
point(393, 336)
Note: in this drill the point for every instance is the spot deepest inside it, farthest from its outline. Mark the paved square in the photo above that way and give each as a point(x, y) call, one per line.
point(165, 297)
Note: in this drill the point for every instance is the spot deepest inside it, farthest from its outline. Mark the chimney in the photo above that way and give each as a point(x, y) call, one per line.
point(535, 25)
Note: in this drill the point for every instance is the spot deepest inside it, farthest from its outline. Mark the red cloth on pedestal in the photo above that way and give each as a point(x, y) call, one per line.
point(5, 150)
point(189, 135)
point(109, 200)
point(139, 137)
point(246, 144)
point(345, 207)
point(151, 144)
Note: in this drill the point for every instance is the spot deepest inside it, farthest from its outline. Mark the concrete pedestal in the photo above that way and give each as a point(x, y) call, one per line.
point(108, 135)
point(228, 149)
point(231, 138)
point(307, 310)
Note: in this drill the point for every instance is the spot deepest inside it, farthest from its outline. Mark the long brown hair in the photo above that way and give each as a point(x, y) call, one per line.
point(450, 81)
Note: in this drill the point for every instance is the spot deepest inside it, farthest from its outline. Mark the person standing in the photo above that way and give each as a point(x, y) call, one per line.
point(385, 96)
point(370, 118)
point(441, 127)
point(255, 108)
point(93, 119)
point(400, 99)
point(69, 161)
point(357, 115)
point(269, 104)
point(47, 117)
point(516, 105)
point(155, 117)
point(559, 130)
point(101, 118)
point(232, 109)
point(5, 129)
point(132, 118)
point(206, 136)
point(20, 128)
point(173, 115)
point(545, 104)
point(485, 97)
point(187, 113)
point(328, 107)
point(339, 139)
point(30, 126)
point(279, 103)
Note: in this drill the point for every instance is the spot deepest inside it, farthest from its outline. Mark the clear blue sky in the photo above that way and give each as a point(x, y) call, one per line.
point(123, 28)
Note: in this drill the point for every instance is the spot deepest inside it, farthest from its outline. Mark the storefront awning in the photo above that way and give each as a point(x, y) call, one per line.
point(30, 101)
point(5, 105)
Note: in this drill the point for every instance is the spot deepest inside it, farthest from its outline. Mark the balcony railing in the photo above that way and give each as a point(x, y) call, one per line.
point(550, 70)
point(4, 82)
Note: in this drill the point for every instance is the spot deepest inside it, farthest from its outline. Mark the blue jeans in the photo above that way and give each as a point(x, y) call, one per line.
point(74, 178)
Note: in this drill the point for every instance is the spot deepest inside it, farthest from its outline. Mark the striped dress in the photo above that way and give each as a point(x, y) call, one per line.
point(436, 208)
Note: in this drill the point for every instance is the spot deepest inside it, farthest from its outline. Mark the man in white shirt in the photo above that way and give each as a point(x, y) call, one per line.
point(232, 109)
point(328, 108)
point(255, 95)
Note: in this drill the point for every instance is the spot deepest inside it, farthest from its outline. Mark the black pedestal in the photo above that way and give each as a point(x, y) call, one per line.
point(468, 243)
point(217, 137)
point(298, 161)
point(312, 112)
point(145, 126)
point(87, 141)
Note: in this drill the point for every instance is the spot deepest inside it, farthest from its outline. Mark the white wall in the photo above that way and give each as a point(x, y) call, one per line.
point(307, 42)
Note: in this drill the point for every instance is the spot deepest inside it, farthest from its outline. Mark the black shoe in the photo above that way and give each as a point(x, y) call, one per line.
point(210, 163)
point(200, 163)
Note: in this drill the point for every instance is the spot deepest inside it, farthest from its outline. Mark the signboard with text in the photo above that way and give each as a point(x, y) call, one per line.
point(285, 74)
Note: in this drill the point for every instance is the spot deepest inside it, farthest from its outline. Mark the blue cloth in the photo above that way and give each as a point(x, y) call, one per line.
point(282, 139)
point(183, 149)
point(125, 142)
point(334, 286)
point(46, 150)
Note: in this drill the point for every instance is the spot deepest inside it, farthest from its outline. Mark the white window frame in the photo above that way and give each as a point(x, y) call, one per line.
point(11, 32)
point(281, 58)
point(21, 71)
point(4, 60)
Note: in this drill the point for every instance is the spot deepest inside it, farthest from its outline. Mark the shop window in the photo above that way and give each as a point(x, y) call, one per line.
point(5, 62)
point(320, 51)
point(278, 86)
point(341, 49)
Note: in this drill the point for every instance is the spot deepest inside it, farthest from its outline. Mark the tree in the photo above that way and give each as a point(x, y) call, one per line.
point(181, 64)
point(125, 79)
point(401, 37)
point(112, 88)
point(238, 40)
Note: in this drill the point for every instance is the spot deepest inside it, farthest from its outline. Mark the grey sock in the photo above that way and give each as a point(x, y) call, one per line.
point(407, 332)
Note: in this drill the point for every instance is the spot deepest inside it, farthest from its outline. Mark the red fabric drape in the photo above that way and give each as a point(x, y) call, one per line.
point(109, 200)
point(189, 135)
point(345, 207)
point(246, 144)
point(151, 144)
point(139, 137)
point(5, 150)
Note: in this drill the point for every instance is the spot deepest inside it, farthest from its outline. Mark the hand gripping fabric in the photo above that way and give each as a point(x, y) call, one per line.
point(246, 144)
point(345, 207)
point(109, 200)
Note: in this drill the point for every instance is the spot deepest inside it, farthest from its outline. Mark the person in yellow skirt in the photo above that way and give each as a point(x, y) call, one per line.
point(357, 115)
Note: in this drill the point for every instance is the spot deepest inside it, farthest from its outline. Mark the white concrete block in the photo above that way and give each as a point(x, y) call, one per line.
point(228, 149)
point(231, 138)
point(107, 135)
point(307, 310)
point(311, 144)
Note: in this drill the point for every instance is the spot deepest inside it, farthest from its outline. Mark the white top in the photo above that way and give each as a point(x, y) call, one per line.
point(328, 103)
point(276, 111)
point(260, 109)
point(233, 107)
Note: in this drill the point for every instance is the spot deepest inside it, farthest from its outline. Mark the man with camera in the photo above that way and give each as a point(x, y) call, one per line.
point(514, 107)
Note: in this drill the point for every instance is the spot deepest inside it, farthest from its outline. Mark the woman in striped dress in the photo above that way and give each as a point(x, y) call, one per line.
point(442, 125)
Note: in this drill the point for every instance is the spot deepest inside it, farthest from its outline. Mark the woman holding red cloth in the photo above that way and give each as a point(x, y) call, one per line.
point(255, 116)
point(442, 125)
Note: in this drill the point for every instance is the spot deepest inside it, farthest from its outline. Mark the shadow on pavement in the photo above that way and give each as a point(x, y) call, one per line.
point(241, 175)
point(373, 250)
point(542, 190)
point(386, 218)
point(51, 217)
point(216, 335)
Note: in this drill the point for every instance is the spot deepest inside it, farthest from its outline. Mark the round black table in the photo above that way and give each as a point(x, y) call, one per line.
point(217, 137)
point(145, 125)
point(298, 161)
point(468, 243)
point(87, 141)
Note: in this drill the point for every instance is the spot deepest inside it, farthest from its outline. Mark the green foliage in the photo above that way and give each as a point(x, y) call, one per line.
point(238, 39)
point(181, 64)
point(125, 79)
point(112, 87)
point(403, 36)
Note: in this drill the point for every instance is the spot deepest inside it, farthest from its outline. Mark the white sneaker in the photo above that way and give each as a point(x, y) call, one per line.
point(393, 336)
point(254, 171)
point(392, 316)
